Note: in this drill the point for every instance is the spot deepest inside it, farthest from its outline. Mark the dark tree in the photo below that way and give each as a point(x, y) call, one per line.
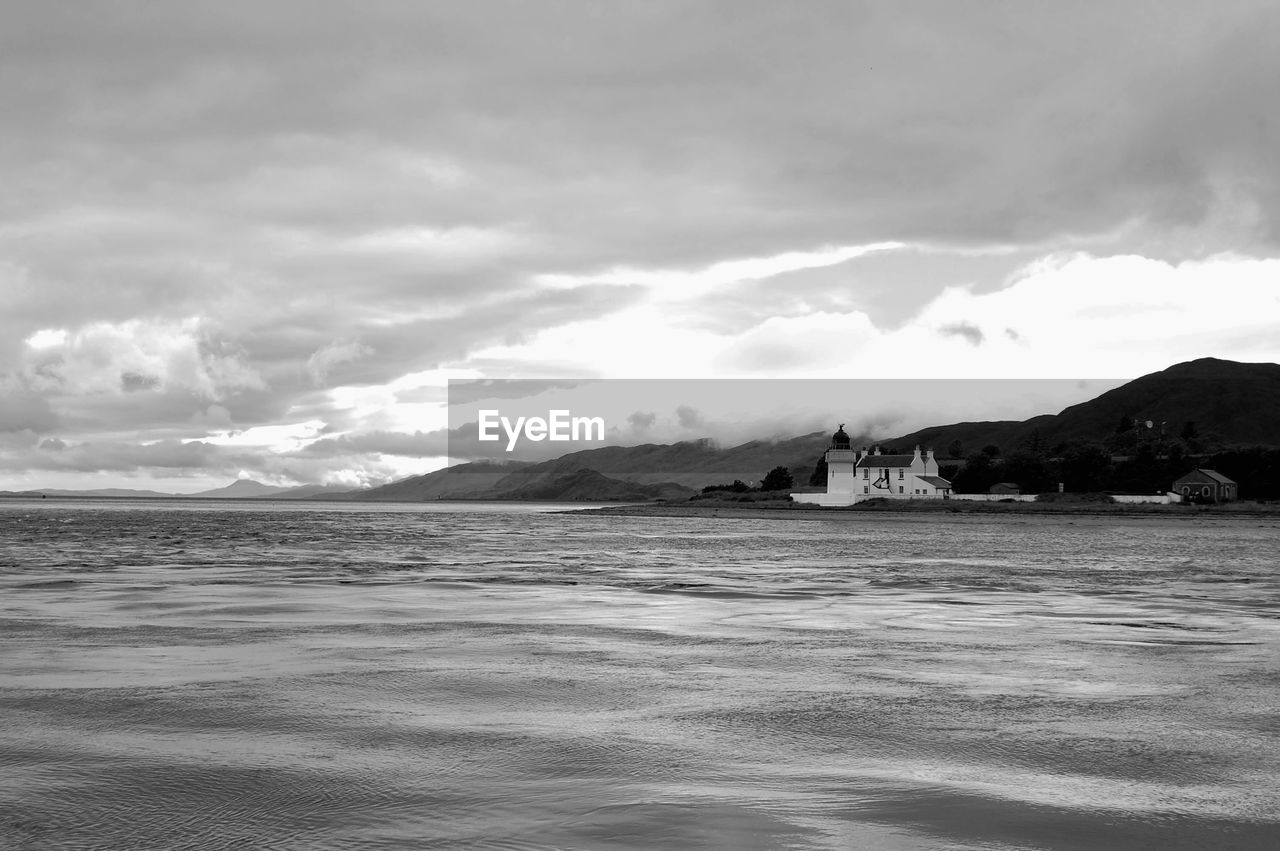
point(1255, 468)
point(1143, 473)
point(738, 486)
point(1084, 467)
point(955, 449)
point(778, 479)
point(1125, 424)
point(976, 476)
point(1035, 443)
point(819, 477)
point(991, 450)
point(1027, 470)
point(1189, 432)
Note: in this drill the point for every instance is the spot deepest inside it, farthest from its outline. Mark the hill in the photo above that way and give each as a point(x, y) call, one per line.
point(589, 486)
point(692, 464)
point(240, 489)
point(1227, 402)
point(461, 481)
point(313, 491)
point(111, 493)
point(689, 465)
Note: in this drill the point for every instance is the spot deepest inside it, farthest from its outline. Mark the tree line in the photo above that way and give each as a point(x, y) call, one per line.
point(777, 479)
point(1083, 467)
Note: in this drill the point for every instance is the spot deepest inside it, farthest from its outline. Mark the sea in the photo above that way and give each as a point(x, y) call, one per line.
point(257, 675)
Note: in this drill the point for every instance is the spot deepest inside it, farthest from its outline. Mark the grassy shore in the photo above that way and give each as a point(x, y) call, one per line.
point(778, 509)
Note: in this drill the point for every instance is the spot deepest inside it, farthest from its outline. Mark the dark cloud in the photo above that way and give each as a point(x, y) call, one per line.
point(967, 331)
point(689, 417)
point(24, 410)
point(433, 444)
point(132, 382)
point(640, 420)
point(100, 457)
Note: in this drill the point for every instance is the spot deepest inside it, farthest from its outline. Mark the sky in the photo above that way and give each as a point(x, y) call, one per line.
point(258, 240)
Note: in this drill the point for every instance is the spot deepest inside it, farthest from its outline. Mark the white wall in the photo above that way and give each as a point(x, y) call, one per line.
point(995, 497)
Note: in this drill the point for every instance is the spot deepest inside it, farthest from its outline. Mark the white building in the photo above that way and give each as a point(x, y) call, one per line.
point(857, 474)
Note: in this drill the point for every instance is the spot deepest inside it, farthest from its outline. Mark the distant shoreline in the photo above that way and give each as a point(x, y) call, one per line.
point(757, 509)
point(788, 510)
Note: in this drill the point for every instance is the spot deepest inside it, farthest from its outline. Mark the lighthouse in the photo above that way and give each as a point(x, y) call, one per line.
point(842, 463)
point(857, 474)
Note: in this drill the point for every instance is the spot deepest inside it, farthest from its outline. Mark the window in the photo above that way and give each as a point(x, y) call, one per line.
point(899, 474)
point(866, 489)
point(866, 472)
point(901, 489)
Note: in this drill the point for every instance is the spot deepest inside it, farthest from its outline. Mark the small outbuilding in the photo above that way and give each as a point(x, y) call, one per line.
point(1005, 489)
point(1201, 485)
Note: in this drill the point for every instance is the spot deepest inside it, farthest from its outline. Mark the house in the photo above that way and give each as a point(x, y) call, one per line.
point(1005, 489)
point(1201, 485)
point(857, 474)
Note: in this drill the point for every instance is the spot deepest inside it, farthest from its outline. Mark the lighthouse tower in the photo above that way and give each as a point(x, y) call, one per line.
point(842, 462)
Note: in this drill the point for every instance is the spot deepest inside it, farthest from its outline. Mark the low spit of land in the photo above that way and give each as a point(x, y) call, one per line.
point(769, 509)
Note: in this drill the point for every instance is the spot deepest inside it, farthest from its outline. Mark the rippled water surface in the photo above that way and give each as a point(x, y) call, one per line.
point(209, 676)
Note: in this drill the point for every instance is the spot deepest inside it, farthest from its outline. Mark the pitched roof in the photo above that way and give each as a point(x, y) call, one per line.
point(936, 481)
point(1200, 475)
point(886, 460)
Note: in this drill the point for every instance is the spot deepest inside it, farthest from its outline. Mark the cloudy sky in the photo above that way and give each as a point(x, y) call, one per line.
point(258, 238)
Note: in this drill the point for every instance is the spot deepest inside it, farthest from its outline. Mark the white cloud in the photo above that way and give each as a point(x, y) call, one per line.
point(339, 352)
point(443, 243)
point(275, 438)
point(47, 338)
point(1083, 316)
point(1062, 316)
point(112, 358)
point(685, 284)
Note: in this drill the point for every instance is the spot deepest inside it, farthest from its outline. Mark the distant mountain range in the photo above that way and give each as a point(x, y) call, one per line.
point(1228, 403)
point(658, 470)
point(239, 489)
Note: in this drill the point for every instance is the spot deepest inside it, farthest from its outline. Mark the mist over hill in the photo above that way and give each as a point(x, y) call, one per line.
point(677, 467)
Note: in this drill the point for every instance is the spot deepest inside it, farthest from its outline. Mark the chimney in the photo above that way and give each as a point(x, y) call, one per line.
point(916, 456)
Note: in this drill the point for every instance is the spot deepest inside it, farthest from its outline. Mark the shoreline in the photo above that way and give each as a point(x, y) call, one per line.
point(901, 509)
